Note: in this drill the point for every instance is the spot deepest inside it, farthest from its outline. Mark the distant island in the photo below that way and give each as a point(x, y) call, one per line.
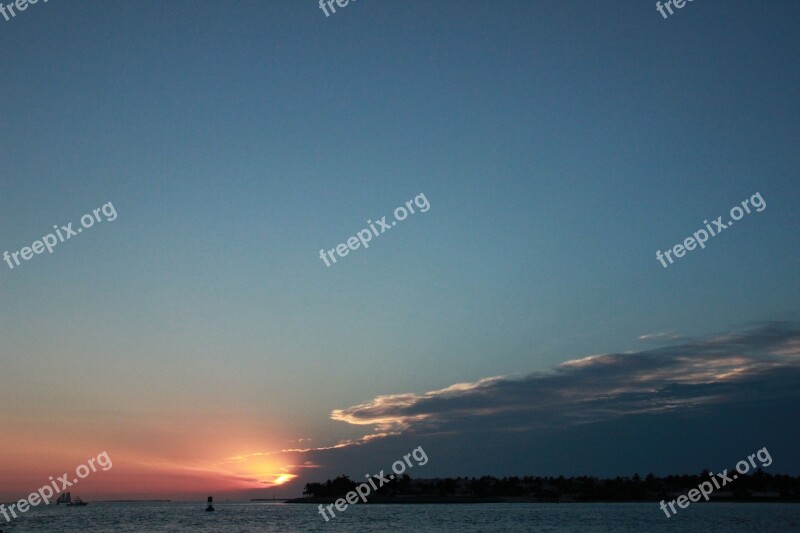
point(133, 501)
point(758, 486)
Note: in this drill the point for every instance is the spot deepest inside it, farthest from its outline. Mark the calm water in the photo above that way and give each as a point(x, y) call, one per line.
point(244, 517)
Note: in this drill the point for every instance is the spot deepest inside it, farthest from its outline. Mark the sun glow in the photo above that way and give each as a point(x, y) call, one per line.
point(280, 480)
point(262, 472)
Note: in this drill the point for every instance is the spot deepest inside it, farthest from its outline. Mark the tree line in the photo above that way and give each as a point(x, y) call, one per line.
point(755, 486)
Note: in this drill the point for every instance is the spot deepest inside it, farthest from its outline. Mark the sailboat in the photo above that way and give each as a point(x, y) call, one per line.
point(66, 498)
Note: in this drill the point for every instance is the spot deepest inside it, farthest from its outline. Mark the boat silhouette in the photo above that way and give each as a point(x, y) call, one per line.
point(66, 498)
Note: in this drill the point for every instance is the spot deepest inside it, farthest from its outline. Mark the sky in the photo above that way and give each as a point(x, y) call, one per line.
point(521, 325)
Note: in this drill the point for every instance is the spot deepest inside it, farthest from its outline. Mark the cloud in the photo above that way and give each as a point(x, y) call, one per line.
point(663, 336)
point(759, 363)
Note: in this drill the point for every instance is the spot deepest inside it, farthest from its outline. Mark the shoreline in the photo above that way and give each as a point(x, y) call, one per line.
point(468, 500)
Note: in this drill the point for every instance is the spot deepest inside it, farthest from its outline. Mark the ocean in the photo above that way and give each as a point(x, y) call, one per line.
point(417, 518)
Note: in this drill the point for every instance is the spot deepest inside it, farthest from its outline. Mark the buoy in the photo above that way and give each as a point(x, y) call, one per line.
point(210, 507)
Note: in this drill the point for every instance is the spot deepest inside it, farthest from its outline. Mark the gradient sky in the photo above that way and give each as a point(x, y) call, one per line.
point(560, 144)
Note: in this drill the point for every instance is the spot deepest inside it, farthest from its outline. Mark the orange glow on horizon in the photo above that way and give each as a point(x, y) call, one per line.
point(259, 471)
point(135, 474)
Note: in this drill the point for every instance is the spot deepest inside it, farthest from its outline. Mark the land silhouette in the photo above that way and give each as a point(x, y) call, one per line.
point(757, 486)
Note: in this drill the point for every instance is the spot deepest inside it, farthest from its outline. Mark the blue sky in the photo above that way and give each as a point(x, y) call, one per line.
point(559, 144)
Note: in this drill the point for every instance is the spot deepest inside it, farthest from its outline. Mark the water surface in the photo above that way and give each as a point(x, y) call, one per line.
point(286, 518)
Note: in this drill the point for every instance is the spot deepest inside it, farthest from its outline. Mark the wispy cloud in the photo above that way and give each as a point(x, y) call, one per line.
point(759, 362)
point(662, 336)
